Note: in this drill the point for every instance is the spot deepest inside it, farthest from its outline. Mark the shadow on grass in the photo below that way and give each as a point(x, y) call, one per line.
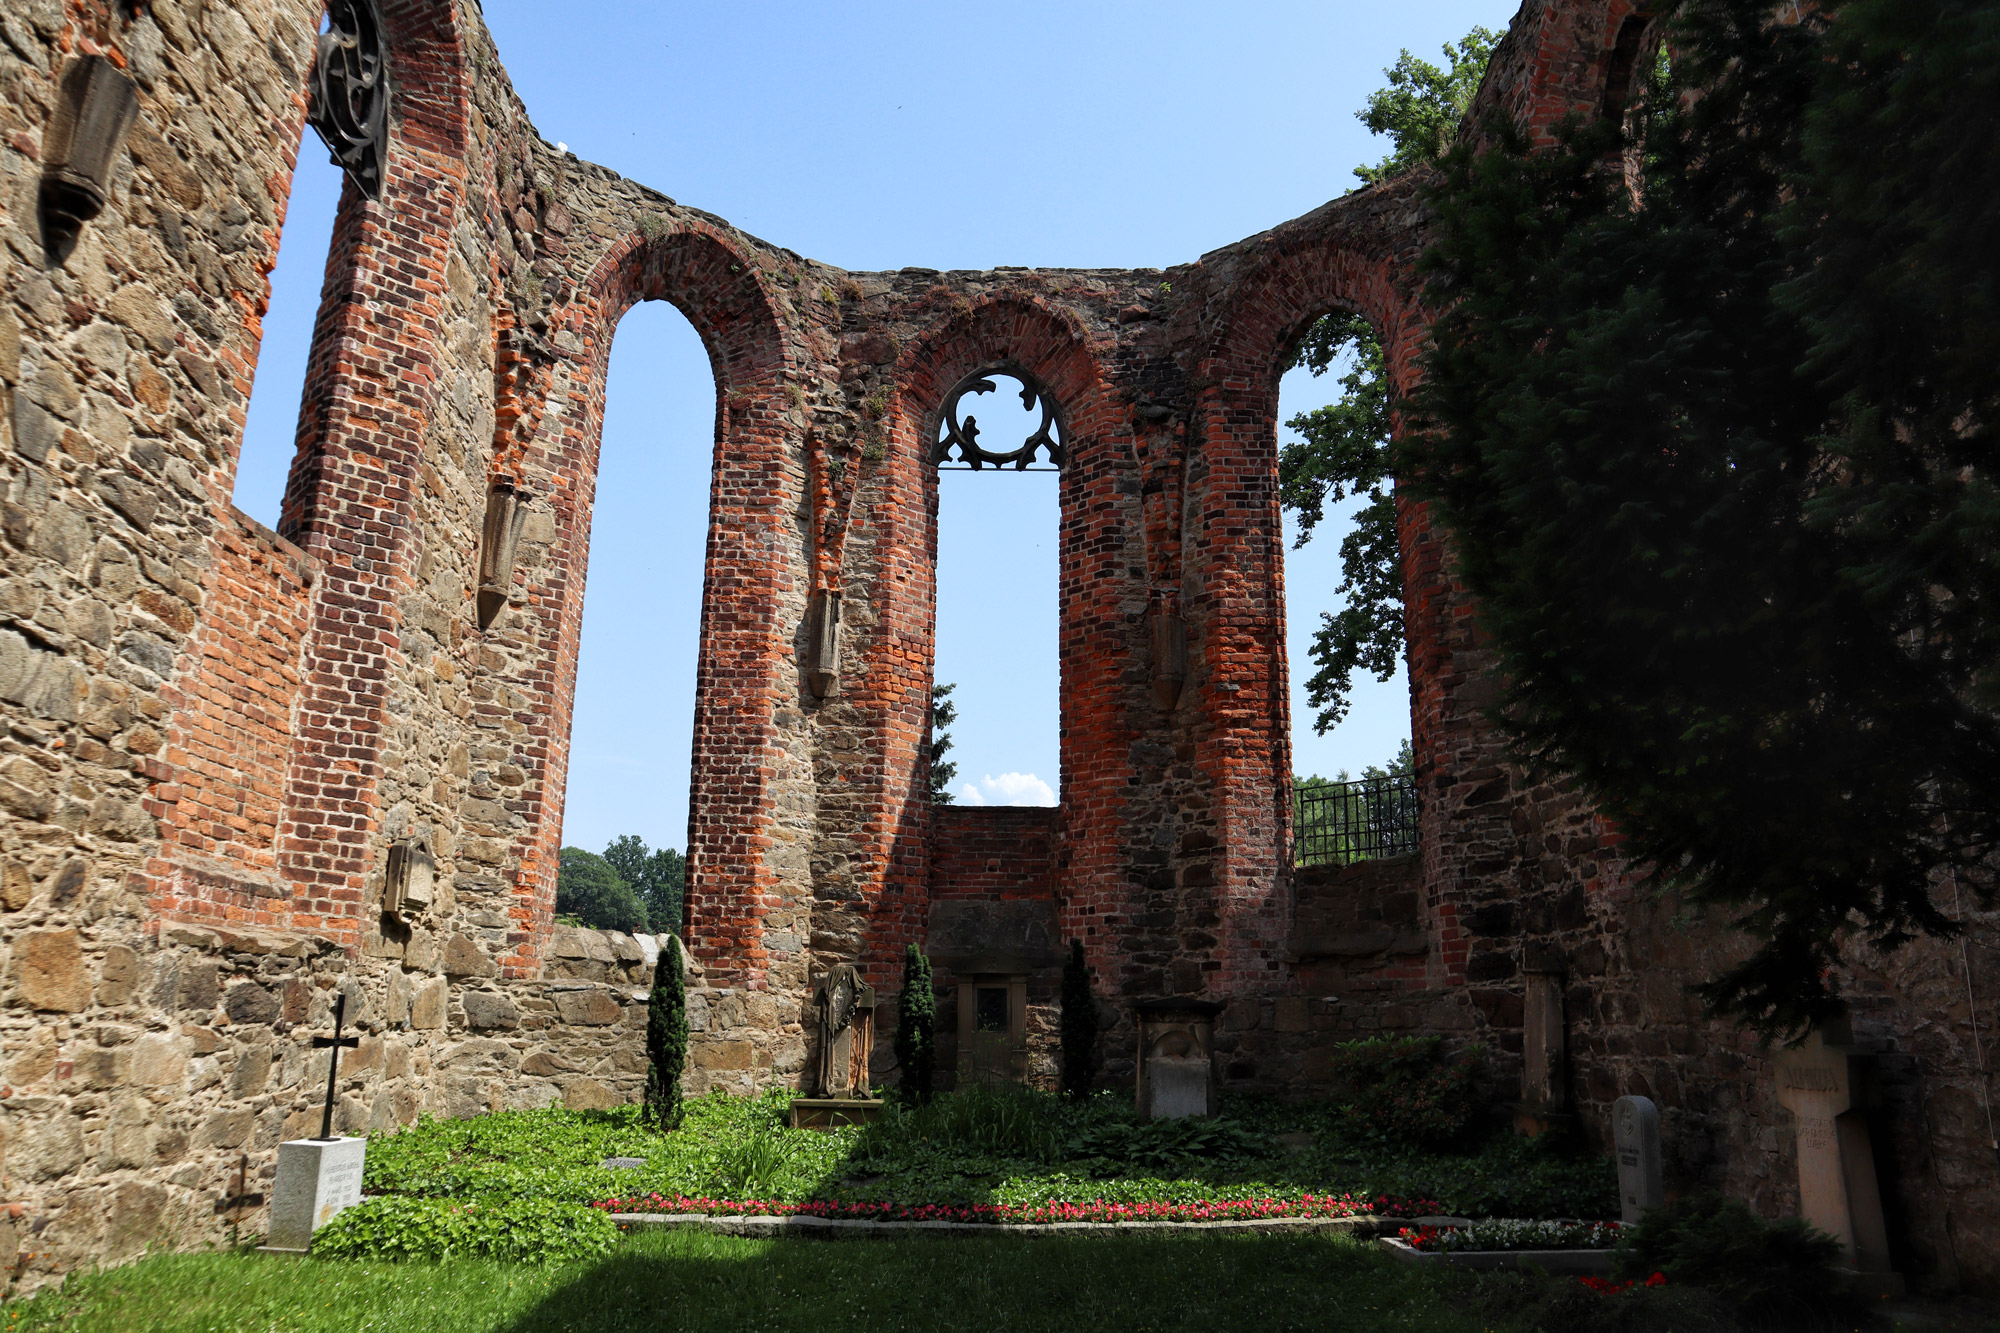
point(693, 1280)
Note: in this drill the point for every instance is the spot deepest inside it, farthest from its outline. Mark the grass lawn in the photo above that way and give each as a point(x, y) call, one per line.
point(1011, 1148)
point(697, 1281)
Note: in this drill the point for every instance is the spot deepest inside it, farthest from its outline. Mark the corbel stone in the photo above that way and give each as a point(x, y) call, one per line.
point(94, 112)
point(500, 539)
point(823, 664)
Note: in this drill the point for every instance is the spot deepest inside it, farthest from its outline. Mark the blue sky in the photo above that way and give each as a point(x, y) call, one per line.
point(878, 135)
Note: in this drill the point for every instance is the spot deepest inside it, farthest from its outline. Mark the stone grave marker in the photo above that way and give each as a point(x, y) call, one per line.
point(1838, 1192)
point(1635, 1129)
point(316, 1177)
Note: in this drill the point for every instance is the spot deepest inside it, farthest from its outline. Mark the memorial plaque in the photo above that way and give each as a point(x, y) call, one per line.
point(1635, 1129)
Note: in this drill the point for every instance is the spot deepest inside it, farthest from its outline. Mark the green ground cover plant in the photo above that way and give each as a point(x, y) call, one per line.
point(398, 1226)
point(1012, 1148)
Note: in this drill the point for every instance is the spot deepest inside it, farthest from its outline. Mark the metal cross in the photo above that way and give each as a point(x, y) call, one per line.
point(336, 1041)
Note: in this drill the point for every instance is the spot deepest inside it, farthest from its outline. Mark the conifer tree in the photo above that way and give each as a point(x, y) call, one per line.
point(916, 1026)
point(666, 1037)
point(1079, 1025)
point(1715, 455)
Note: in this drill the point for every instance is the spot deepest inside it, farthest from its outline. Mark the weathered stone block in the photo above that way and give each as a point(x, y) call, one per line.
point(587, 1094)
point(50, 972)
point(464, 958)
point(489, 1010)
point(159, 1061)
point(591, 1008)
point(428, 1010)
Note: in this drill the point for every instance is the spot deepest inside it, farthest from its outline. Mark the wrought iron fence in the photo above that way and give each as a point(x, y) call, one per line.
point(1334, 823)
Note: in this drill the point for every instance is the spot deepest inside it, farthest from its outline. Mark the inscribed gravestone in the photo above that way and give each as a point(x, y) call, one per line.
point(1838, 1192)
point(1635, 1128)
point(316, 1179)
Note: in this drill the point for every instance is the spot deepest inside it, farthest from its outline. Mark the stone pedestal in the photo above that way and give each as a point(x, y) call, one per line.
point(316, 1179)
point(833, 1112)
point(1635, 1132)
point(1176, 1058)
point(1838, 1193)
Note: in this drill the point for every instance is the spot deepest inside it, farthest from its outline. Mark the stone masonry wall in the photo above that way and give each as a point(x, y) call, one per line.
point(214, 734)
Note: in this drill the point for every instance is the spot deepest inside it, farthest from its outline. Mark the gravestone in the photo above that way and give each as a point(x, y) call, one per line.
point(1635, 1130)
point(1838, 1192)
point(1176, 1058)
point(316, 1179)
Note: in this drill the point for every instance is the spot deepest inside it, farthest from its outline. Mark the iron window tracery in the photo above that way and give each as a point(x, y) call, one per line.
point(350, 92)
point(963, 436)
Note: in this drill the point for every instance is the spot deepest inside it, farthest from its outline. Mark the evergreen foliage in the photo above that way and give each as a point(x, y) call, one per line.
point(1717, 464)
point(916, 1026)
point(1343, 448)
point(943, 714)
point(666, 1037)
point(658, 877)
point(1079, 1025)
point(591, 891)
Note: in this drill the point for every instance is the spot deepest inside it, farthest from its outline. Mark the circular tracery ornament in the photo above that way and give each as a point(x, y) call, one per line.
point(963, 436)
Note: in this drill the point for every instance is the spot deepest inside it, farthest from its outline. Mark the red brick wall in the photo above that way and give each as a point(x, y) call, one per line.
point(221, 771)
point(993, 852)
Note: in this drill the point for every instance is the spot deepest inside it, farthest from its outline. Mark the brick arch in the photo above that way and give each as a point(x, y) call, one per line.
point(1020, 332)
point(755, 582)
point(1101, 641)
point(1234, 587)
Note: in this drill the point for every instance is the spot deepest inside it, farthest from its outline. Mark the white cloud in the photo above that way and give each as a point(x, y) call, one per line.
point(1007, 789)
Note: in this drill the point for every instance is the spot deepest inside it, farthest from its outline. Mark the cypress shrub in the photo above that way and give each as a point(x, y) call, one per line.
point(666, 1037)
point(1079, 1025)
point(916, 1026)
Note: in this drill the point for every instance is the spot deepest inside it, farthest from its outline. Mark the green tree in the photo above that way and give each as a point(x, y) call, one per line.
point(588, 889)
point(1421, 108)
point(666, 1037)
point(1079, 1025)
point(916, 1026)
point(1718, 469)
point(1343, 448)
point(657, 876)
point(1323, 807)
point(943, 714)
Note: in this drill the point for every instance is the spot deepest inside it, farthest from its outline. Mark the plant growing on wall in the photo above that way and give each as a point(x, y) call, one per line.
point(666, 1037)
point(1079, 1025)
point(916, 1026)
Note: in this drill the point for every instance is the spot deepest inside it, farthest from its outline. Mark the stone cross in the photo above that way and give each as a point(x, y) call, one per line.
point(1635, 1129)
point(1837, 1187)
point(335, 1042)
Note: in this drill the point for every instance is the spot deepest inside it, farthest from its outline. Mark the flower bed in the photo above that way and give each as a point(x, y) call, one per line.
point(1512, 1233)
point(1096, 1210)
point(1554, 1247)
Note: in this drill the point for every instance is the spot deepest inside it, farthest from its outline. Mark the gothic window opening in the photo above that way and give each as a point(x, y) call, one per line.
point(632, 728)
point(272, 426)
point(999, 453)
point(1349, 681)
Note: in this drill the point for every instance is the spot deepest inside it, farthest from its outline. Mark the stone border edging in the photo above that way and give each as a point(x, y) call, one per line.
point(862, 1228)
point(1559, 1263)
